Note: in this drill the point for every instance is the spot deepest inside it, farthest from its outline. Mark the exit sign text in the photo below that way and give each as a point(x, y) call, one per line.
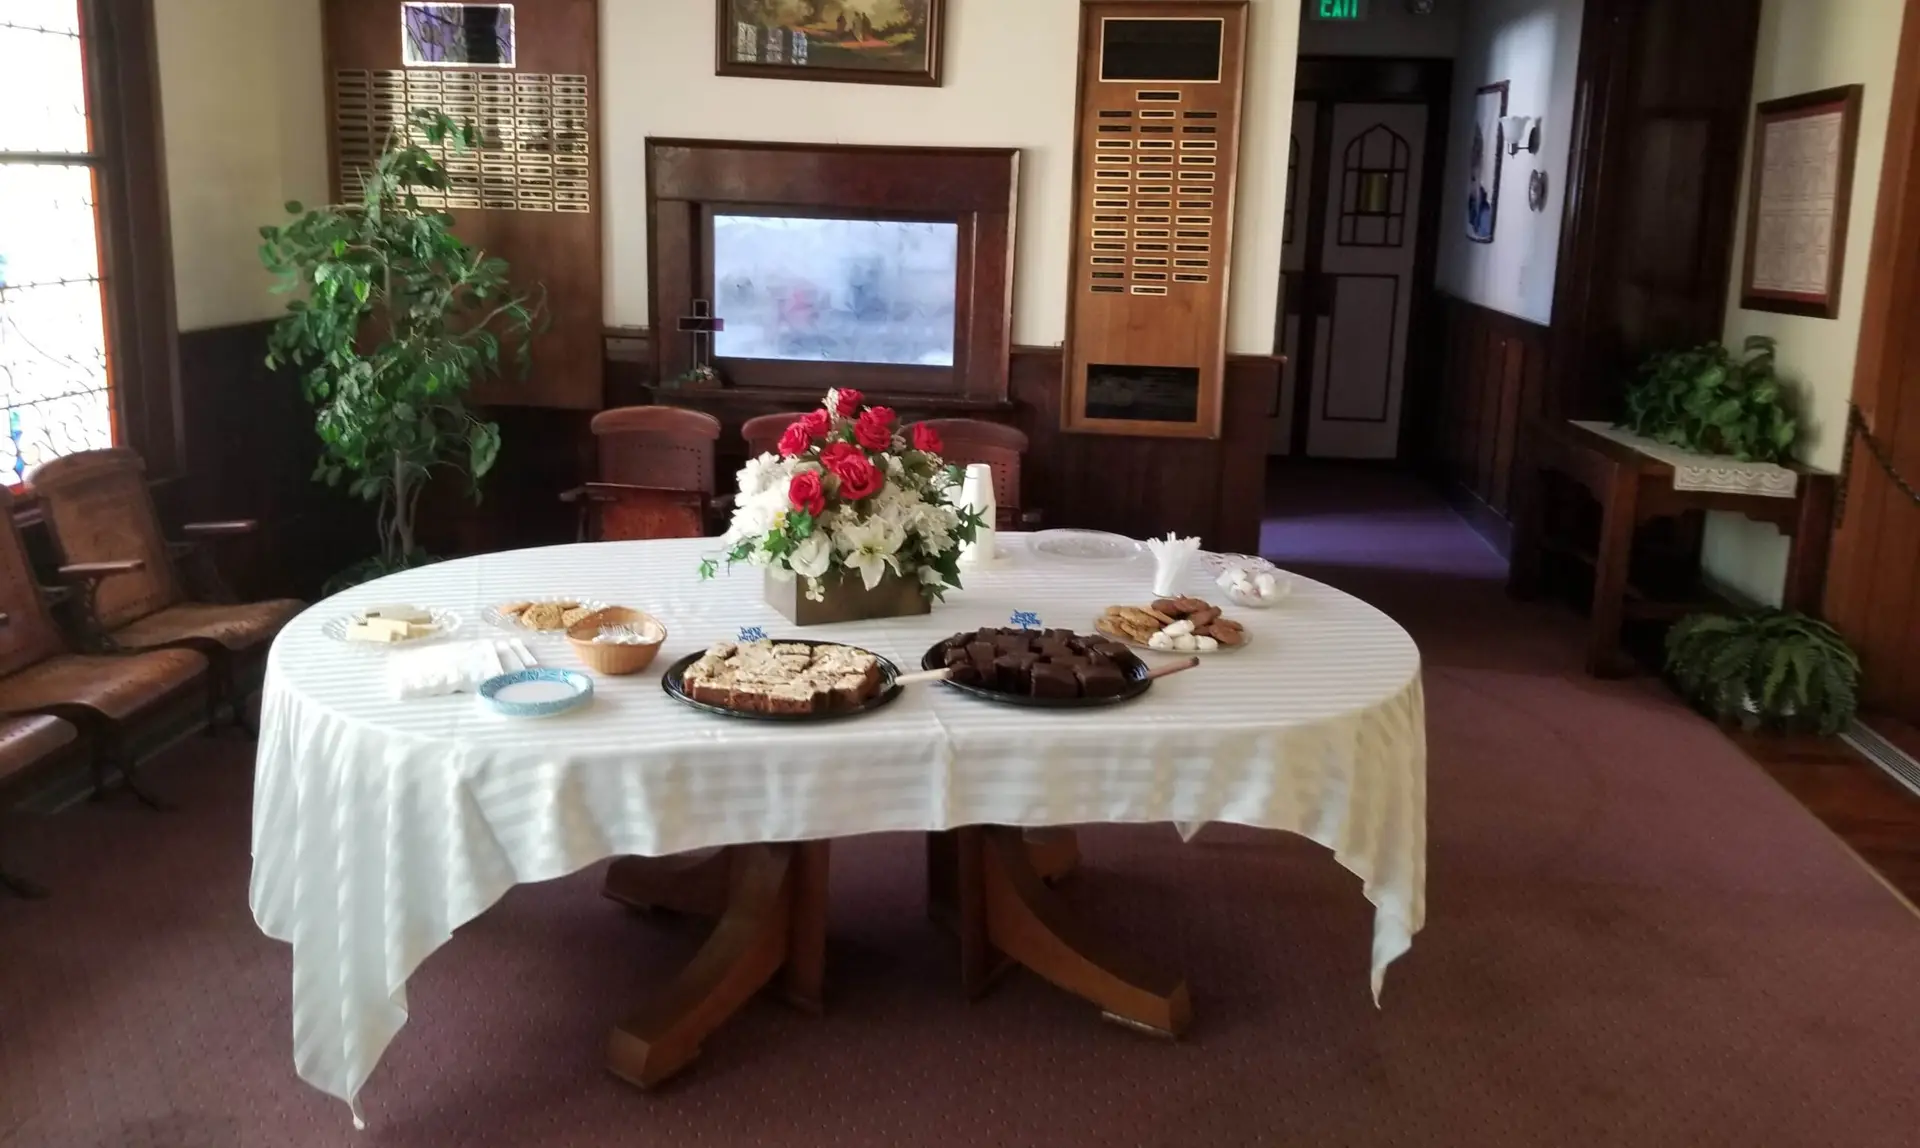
point(1337, 9)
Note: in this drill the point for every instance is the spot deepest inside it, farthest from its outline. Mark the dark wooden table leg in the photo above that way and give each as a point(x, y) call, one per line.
point(1006, 909)
point(1613, 562)
point(755, 938)
point(691, 883)
point(1055, 852)
point(802, 980)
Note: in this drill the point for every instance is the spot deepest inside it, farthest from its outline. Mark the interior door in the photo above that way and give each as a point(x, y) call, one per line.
point(1296, 238)
point(1363, 294)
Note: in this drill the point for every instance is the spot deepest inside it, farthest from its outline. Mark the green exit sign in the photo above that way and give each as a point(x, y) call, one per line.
point(1337, 9)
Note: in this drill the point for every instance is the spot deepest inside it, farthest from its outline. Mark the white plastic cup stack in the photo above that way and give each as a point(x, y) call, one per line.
point(1170, 558)
point(976, 493)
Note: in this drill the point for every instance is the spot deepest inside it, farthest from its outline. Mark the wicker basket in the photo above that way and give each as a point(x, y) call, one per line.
point(612, 658)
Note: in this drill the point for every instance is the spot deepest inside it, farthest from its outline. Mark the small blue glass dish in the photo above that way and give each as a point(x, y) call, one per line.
point(536, 693)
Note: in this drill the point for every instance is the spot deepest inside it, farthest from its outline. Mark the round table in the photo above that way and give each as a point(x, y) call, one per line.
point(382, 825)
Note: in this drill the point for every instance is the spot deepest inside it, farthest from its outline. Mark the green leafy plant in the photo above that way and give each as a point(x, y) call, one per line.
point(1704, 399)
point(1772, 668)
point(400, 317)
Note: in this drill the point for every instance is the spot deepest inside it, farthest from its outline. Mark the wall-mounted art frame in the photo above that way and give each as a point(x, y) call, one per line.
point(763, 39)
point(1799, 188)
point(1484, 153)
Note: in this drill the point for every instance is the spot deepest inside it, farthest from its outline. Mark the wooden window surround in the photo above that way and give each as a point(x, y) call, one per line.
point(136, 262)
point(691, 181)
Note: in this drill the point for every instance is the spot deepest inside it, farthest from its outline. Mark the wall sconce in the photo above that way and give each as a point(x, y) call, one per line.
point(1521, 132)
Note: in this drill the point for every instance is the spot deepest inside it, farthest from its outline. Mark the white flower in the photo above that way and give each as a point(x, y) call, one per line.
point(760, 474)
point(869, 547)
point(932, 577)
point(812, 556)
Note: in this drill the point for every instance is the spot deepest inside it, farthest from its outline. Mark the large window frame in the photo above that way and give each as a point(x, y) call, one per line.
point(131, 221)
point(691, 181)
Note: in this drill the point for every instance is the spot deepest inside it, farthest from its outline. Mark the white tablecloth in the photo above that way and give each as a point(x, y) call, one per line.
point(381, 826)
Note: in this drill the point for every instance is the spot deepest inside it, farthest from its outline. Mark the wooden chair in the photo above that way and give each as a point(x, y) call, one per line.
point(763, 432)
point(98, 510)
point(102, 695)
point(967, 441)
point(25, 742)
point(655, 475)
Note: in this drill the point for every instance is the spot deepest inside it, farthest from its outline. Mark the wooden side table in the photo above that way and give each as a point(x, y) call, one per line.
point(1634, 488)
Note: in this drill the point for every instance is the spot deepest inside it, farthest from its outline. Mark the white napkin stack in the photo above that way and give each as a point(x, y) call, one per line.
point(976, 493)
point(453, 667)
point(1170, 557)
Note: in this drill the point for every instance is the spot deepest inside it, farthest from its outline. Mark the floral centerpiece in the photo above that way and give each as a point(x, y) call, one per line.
point(852, 506)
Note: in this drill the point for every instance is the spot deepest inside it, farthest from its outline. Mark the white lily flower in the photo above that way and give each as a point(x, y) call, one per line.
point(869, 547)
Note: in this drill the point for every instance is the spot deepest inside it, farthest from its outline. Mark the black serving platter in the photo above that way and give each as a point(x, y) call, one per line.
point(674, 685)
point(1136, 671)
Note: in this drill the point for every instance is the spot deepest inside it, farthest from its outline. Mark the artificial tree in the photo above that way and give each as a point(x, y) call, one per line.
point(399, 319)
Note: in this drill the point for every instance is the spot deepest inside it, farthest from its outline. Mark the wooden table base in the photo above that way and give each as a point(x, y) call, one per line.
point(773, 920)
point(985, 881)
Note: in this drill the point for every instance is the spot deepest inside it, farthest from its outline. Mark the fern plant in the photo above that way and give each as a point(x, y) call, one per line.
point(1706, 400)
point(1774, 668)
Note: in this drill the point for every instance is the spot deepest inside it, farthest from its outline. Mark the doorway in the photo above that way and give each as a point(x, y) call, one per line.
point(1362, 188)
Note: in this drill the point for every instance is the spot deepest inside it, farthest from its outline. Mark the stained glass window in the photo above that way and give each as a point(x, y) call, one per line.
point(53, 348)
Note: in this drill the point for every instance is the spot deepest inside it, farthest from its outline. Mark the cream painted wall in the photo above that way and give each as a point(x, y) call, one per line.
point(242, 91)
point(1534, 45)
point(1806, 46)
point(1009, 82)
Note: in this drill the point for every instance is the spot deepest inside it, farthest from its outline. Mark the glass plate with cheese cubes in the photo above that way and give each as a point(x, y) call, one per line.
point(385, 626)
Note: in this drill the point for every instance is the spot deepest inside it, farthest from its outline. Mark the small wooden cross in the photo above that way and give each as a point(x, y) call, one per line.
point(703, 325)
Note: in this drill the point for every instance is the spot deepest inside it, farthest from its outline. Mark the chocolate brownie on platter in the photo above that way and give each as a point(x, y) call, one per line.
point(1037, 663)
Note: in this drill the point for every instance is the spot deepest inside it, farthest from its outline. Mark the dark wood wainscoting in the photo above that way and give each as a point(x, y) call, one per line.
point(1492, 379)
point(250, 450)
point(251, 437)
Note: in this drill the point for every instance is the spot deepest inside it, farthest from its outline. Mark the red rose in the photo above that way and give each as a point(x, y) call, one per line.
point(837, 453)
point(817, 424)
point(859, 478)
point(874, 430)
point(850, 401)
point(806, 493)
point(795, 441)
point(927, 439)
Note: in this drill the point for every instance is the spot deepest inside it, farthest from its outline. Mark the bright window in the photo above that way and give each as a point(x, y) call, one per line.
point(840, 290)
point(53, 345)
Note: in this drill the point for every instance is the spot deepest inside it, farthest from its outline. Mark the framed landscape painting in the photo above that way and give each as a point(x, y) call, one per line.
point(849, 41)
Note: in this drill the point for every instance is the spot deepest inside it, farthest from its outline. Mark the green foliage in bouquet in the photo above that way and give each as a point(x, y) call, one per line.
point(1705, 400)
point(400, 317)
point(851, 491)
point(1773, 668)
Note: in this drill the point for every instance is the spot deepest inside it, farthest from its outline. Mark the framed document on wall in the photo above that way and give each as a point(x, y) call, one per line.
point(1798, 192)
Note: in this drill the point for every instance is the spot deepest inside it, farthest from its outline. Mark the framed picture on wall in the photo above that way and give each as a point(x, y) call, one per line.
point(1483, 161)
point(847, 41)
point(1798, 192)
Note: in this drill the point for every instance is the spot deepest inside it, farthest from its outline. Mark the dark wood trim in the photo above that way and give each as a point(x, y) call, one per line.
point(1825, 306)
point(1493, 527)
point(1872, 596)
point(725, 65)
point(1635, 274)
point(136, 252)
point(975, 188)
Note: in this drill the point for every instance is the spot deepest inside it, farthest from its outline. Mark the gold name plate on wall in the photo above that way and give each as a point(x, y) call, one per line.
point(1155, 157)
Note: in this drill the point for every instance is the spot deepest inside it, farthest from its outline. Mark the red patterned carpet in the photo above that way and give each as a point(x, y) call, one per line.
point(1633, 938)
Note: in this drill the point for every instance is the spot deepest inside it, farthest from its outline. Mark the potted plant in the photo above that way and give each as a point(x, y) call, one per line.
point(400, 317)
point(854, 517)
point(1775, 669)
point(1704, 399)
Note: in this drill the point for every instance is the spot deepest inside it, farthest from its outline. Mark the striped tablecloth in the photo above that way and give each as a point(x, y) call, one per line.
point(380, 826)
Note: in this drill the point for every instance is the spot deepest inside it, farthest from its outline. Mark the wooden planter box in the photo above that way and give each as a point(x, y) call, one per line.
point(847, 600)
